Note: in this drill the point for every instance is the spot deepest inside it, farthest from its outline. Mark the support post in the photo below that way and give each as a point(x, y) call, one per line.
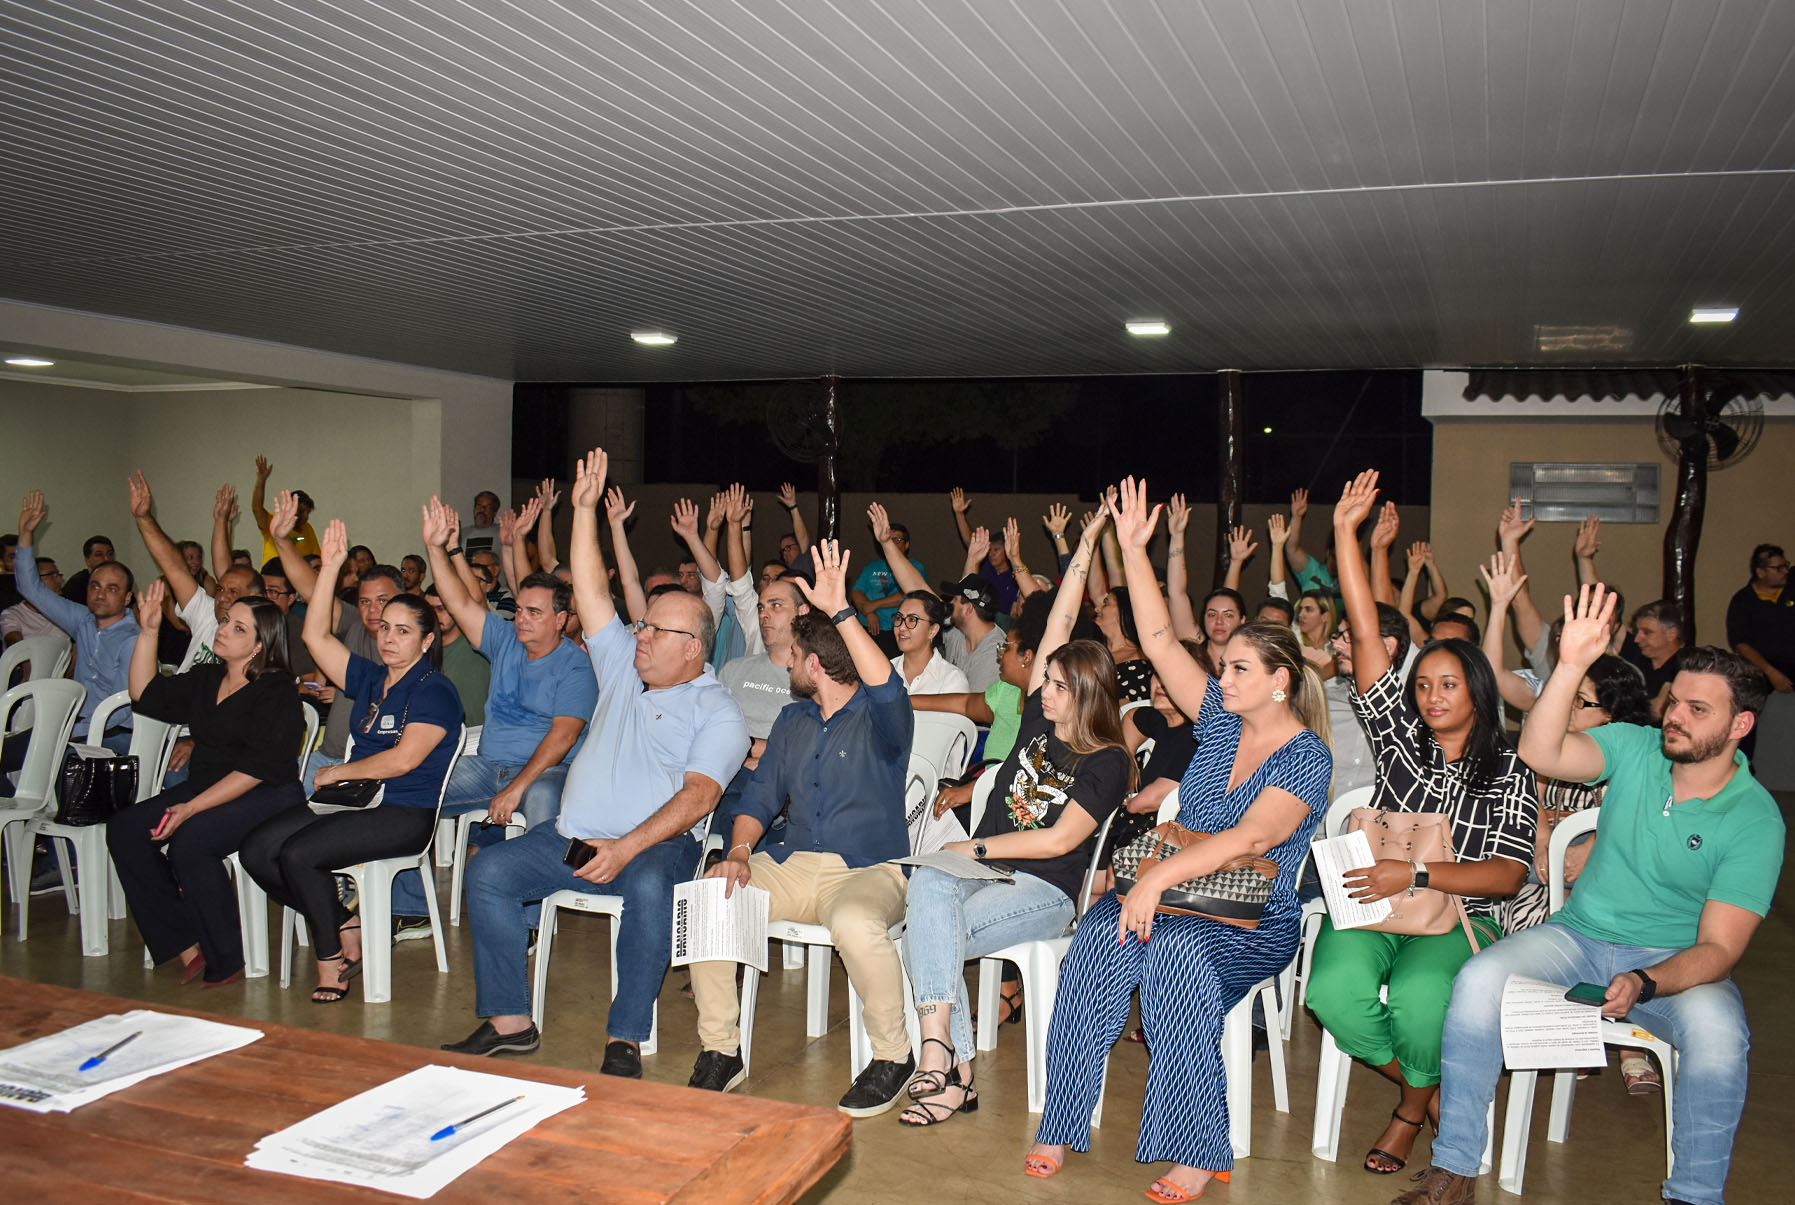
point(1230, 451)
point(1682, 536)
point(828, 475)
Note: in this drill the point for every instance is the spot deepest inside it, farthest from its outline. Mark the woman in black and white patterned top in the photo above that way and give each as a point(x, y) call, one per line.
point(1440, 747)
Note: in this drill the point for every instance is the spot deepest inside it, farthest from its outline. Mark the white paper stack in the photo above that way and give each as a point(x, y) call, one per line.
point(1333, 859)
point(45, 1075)
point(386, 1138)
point(709, 928)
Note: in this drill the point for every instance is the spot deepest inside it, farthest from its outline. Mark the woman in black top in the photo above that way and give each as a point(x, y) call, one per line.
point(1115, 619)
point(246, 724)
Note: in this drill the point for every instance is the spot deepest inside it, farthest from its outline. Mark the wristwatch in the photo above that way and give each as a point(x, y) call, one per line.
point(1651, 985)
point(456, 551)
point(844, 614)
point(1419, 876)
point(978, 849)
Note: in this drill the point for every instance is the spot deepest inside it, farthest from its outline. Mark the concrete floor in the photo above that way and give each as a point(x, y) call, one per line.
point(1614, 1154)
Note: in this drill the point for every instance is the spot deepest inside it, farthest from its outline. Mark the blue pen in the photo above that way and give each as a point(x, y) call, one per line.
point(111, 1050)
point(448, 1130)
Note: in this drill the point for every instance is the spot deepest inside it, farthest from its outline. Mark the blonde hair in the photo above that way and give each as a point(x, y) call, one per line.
point(1278, 649)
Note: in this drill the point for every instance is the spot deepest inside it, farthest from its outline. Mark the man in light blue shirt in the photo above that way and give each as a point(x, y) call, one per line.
point(665, 737)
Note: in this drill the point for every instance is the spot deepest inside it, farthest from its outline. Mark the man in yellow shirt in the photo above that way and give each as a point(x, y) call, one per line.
point(304, 538)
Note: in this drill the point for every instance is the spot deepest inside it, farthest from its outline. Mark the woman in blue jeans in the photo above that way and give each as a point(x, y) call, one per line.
point(1067, 772)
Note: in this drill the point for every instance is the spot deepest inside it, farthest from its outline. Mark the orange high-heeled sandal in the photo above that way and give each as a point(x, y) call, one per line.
point(1168, 1193)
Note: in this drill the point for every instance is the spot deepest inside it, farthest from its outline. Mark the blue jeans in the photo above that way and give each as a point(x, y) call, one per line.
point(949, 920)
point(314, 762)
point(472, 786)
point(505, 886)
point(1706, 1024)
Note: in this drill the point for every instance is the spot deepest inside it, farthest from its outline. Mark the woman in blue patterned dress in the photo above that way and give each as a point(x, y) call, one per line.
point(1258, 783)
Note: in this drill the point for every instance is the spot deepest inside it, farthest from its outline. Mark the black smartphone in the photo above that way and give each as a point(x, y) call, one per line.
point(578, 853)
point(1588, 993)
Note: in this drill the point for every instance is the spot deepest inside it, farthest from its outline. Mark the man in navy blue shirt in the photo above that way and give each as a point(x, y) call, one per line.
point(838, 755)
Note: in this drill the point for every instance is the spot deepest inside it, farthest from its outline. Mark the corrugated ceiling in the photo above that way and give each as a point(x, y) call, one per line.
point(908, 188)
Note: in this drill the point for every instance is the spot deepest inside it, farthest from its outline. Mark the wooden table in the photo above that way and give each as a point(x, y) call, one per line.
point(183, 1136)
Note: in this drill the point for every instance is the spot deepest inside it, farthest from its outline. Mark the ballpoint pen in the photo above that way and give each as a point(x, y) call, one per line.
point(450, 1129)
point(111, 1050)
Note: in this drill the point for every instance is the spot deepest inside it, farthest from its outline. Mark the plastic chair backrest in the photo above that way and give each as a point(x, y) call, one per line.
point(945, 740)
point(1339, 811)
point(43, 657)
point(981, 795)
point(55, 703)
point(470, 746)
point(311, 738)
point(1568, 830)
point(1090, 874)
point(151, 741)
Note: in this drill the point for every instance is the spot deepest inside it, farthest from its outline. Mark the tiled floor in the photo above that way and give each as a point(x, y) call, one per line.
point(1614, 1153)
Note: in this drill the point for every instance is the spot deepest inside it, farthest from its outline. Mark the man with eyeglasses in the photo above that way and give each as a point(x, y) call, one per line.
point(665, 737)
point(22, 620)
point(1354, 765)
point(1760, 621)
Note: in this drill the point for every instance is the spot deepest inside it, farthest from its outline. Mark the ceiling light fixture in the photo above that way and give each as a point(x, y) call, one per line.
point(654, 338)
point(1268, 430)
point(29, 362)
point(1713, 313)
point(1149, 326)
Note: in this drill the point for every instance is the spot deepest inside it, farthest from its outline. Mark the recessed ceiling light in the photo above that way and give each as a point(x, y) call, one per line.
point(1713, 313)
point(1149, 326)
point(1268, 430)
point(654, 338)
point(29, 362)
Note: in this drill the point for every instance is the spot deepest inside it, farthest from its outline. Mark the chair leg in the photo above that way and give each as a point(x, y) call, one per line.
point(1274, 1052)
point(71, 896)
point(1564, 1090)
point(288, 919)
point(1488, 1161)
point(93, 884)
point(990, 986)
point(1330, 1099)
point(793, 955)
point(17, 844)
point(444, 844)
point(463, 826)
point(434, 909)
point(1237, 1068)
point(545, 942)
point(820, 960)
point(252, 908)
point(750, 997)
point(374, 890)
point(1040, 988)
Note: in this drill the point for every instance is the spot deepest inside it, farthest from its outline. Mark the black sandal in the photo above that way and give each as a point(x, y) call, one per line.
point(928, 1113)
point(331, 993)
point(931, 1083)
point(1011, 1001)
point(1395, 1115)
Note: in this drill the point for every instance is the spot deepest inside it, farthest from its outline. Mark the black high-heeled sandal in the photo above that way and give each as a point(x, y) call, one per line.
point(922, 1113)
point(1006, 1000)
point(1395, 1115)
point(331, 993)
point(931, 1083)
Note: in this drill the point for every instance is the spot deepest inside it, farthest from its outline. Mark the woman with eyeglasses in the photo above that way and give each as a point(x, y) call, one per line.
point(246, 727)
point(924, 668)
point(406, 725)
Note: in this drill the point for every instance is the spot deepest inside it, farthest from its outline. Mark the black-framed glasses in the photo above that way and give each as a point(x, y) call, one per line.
point(654, 629)
point(901, 620)
point(1584, 704)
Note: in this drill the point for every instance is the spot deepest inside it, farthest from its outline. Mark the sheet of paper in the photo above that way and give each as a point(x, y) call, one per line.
point(960, 866)
point(45, 1075)
point(929, 832)
point(1541, 1030)
point(707, 927)
point(383, 1138)
point(1333, 858)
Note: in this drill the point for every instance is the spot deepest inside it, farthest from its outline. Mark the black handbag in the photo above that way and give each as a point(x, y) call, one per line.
point(352, 793)
point(90, 789)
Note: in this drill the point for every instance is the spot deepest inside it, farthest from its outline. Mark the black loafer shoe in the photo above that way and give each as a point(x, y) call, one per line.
point(487, 1040)
point(878, 1087)
point(717, 1072)
point(622, 1059)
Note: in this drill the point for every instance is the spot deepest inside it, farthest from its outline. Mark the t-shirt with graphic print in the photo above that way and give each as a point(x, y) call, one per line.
point(1034, 785)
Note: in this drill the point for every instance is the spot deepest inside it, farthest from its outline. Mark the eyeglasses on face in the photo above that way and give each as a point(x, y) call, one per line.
point(901, 620)
point(653, 630)
point(1583, 704)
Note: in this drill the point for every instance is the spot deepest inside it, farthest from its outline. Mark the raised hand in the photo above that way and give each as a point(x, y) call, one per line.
point(1134, 521)
point(507, 527)
point(149, 606)
point(1419, 553)
point(1512, 527)
point(1501, 579)
point(685, 519)
point(527, 516)
point(830, 594)
point(284, 515)
point(454, 517)
point(1586, 627)
point(1299, 503)
point(875, 514)
point(1589, 537)
point(224, 503)
point(713, 515)
point(979, 547)
point(736, 503)
point(436, 523)
point(1356, 501)
point(1278, 528)
point(589, 480)
point(788, 495)
point(548, 494)
point(1056, 518)
point(333, 547)
point(141, 501)
point(1384, 533)
point(956, 498)
point(1241, 545)
point(31, 513)
point(616, 511)
point(263, 468)
point(1012, 542)
point(1177, 515)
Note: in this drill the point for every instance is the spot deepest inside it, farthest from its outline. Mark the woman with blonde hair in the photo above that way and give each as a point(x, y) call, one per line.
point(1258, 784)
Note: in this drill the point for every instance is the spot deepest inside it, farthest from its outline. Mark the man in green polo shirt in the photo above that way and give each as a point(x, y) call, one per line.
point(1683, 869)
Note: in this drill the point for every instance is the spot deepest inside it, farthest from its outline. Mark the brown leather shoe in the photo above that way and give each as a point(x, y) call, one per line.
point(1437, 1186)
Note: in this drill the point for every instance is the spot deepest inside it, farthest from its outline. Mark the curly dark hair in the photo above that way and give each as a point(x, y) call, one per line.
point(1620, 691)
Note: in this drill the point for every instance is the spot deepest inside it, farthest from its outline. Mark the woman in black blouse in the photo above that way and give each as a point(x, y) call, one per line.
point(244, 715)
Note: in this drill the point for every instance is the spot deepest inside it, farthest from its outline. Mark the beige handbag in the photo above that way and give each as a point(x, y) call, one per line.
point(1414, 837)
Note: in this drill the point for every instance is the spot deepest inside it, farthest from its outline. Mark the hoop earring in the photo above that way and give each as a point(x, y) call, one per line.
point(1278, 696)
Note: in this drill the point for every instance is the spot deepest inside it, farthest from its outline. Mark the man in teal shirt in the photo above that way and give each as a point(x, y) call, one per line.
point(1683, 868)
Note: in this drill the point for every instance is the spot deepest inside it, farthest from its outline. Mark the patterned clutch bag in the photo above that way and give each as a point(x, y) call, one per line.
point(1235, 894)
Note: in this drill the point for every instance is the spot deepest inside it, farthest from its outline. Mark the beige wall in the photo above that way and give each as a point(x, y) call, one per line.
point(1470, 477)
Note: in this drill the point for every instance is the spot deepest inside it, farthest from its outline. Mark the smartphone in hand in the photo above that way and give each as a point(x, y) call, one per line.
point(1588, 993)
point(578, 853)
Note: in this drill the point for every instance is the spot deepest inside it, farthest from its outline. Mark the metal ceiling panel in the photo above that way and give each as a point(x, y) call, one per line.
point(910, 188)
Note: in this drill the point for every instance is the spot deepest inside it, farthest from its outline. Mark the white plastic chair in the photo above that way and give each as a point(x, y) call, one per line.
point(42, 656)
point(445, 828)
point(945, 740)
point(460, 829)
point(548, 921)
point(1518, 1123)
point(93, 890)
point(252, 901)
point(374, 892)
point(1293, 982)
point(55, 703)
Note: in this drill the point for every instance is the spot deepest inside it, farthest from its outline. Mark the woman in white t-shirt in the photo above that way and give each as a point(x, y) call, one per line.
point(920, 662)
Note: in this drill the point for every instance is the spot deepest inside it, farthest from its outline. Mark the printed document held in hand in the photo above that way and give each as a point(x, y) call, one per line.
point(1542, 1030)
point(960, 866)
point(46, 1075)
point(1333, 858)
point(709, 928)
point(415, 1134)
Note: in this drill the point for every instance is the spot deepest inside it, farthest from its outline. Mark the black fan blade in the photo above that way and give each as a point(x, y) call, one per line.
point(1680, 427)
point(1726, 440)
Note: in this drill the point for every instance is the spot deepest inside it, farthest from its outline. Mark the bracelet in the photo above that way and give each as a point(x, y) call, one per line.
point(456, 551)
point(844, 614)
point(739, 845)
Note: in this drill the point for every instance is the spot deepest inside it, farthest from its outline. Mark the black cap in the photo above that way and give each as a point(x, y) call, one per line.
point(975, 590)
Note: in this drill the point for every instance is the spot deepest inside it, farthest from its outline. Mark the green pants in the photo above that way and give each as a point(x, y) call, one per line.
point(1352, 964)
